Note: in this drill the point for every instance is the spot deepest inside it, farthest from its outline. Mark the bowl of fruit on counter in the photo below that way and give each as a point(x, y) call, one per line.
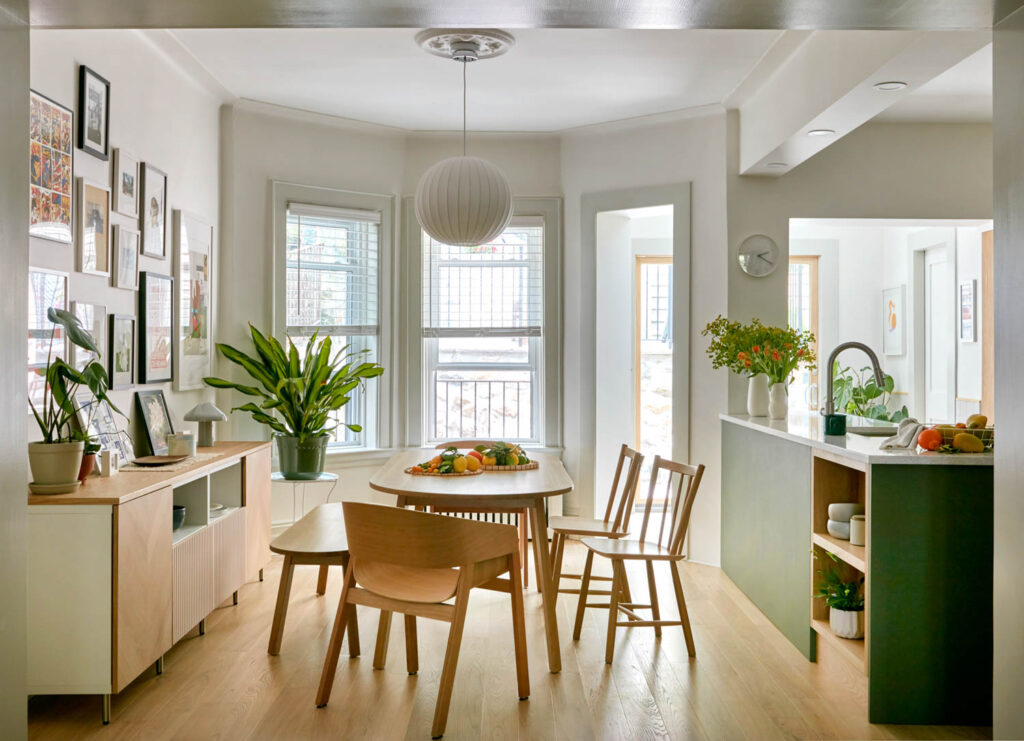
point(504, 457)
point(972, 436)
point(449, 462)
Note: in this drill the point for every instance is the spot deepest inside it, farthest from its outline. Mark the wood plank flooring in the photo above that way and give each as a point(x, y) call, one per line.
point(747, 681)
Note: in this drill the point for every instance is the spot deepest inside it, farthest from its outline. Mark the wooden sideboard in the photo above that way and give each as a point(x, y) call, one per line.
point(111, 588)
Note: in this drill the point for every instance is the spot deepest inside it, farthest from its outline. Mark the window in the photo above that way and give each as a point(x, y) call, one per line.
point(483, 327)
point(803, 315)
point(332, 281)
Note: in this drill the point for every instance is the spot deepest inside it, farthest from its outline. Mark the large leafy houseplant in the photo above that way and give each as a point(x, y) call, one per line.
point(62, 405)
point(298, 393)
point(857, 393)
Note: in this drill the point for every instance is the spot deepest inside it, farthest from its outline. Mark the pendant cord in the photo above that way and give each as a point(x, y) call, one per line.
point(463, 107)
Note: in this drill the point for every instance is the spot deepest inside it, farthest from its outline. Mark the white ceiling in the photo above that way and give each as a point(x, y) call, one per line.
point(552, 79)
point(961, 94)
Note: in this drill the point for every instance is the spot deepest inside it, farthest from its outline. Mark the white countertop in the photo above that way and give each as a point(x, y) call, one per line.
point(810, 430)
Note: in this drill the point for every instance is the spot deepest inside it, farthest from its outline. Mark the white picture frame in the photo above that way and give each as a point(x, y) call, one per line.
point(193, 306)
point(46, 289)
point(93, 228)
point(125, 183)
point(93, 318)
point(969, 310)
point(124, 272)
point(153, 211)
point(894, 320)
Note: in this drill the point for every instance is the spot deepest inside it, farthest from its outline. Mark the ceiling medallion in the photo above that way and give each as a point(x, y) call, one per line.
point(465, 44)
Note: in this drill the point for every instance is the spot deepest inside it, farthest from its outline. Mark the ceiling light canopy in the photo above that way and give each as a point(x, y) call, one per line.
point(890, 86)
point(464, 200)
point(821, 132)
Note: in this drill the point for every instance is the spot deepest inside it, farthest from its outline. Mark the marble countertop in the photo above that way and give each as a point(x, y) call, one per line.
point(810, 430)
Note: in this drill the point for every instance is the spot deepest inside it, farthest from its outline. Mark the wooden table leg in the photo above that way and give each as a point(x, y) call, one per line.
point(281, 609)
point(547, 592)
point(321, 580)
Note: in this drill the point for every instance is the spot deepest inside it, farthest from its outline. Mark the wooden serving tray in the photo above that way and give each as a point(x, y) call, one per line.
point(158, 460)
point(443, 475)
point(525, 467)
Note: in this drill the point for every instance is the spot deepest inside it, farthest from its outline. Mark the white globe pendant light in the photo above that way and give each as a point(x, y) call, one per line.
point(464, 200)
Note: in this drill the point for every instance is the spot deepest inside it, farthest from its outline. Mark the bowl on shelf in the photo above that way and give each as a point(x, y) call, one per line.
point(177, 516)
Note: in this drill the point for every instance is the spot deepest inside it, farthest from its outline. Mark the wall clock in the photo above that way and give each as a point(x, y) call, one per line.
point(759, 255)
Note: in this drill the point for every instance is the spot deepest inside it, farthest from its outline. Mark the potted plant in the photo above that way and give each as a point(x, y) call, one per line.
point(298, 394)
point(857, 393)
point(768, 356)
point(845, 600)
point(58, 457)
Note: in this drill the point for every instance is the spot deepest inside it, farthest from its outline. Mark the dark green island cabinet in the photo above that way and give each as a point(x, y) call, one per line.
point(927, 560)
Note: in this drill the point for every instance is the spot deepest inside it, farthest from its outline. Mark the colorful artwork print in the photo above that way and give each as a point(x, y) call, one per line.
point(156, 294)
point(193, 243)
point(50, 169)
point(894, 338)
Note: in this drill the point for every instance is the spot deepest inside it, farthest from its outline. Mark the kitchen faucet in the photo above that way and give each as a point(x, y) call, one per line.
point(830, 403)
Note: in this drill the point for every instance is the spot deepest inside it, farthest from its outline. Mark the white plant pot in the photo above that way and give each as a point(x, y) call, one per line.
point(55, 463)
point(846, 623)
point(778, 401)
point(757, 396)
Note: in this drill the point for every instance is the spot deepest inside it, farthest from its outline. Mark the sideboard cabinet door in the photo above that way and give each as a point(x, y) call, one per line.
point(256, 498)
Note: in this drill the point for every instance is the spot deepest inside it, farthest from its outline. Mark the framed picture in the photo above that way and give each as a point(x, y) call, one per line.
point(93, 113)
point(50, 169)
point(894, 336)
point(93, 318)
point(125, 270)
point(155, 419)
point(46, 289)
point(121, 351)
point(93, 228)
point(968, 311)
point(193, 264)
point(125, 179)
point(156, 324)
point(153, 211)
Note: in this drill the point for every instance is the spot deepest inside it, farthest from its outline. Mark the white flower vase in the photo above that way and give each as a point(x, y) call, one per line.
point(846, 623)
point(778, 401)
point(757, 396)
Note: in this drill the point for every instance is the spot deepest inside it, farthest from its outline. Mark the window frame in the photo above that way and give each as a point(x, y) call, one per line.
point(546, 350)
point(379, 408)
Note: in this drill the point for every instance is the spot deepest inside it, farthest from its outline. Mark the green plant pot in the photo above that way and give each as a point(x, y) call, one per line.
point(301, 461)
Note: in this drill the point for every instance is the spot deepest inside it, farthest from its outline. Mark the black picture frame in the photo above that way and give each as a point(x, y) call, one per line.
point(117, 378)
point(156, 327)
point(150, 404)
point(87, 110)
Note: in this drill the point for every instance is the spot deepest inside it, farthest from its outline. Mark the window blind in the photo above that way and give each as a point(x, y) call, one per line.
point(495, 289)
point(331, 270)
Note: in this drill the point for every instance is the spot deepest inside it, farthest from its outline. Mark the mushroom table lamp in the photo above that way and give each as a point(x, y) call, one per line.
point(205, 414)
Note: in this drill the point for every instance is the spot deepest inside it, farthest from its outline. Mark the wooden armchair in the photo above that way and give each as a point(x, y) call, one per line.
point(413, 563)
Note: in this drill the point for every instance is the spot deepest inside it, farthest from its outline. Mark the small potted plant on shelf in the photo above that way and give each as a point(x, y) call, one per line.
point(845, 600)
point(768, 356)
point(298, 393)
point(59, 459)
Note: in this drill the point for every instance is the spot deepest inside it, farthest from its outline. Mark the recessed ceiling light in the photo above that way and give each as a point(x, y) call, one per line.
point(890, 86)
point(821, 132)
point(777, 165)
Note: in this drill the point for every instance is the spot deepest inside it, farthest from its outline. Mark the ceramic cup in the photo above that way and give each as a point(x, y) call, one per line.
point(181, 443)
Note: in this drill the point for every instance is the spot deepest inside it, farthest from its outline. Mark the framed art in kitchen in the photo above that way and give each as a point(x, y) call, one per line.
point(93, 318)
point(125, 270)
point(46, 289)
point(156, 420)
point(93, 243)
point(156, 322)
point(93, 113)
point(121, 351)
point(51, 145)
point(153, 211)
point(193, 263)
point(125, 181)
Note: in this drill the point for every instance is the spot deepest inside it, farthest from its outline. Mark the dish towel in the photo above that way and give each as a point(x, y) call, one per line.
point(906, 435)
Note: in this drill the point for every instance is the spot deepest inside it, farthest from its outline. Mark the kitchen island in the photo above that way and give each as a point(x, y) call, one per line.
point(927, 560)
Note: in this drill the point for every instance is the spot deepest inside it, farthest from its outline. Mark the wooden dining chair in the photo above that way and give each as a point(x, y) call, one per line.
point(615, 523)
point(523, 515)
point(413, 563)
point(665, 544)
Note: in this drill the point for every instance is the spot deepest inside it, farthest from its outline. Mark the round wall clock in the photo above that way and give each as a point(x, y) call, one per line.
point(759, 255)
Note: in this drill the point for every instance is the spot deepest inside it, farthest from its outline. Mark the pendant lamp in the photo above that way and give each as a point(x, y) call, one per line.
point(464, 200)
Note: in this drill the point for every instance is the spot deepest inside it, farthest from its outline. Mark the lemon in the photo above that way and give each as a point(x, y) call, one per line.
point(490, 460)
point(473, 463)
point(459, 464)
point(965, 442)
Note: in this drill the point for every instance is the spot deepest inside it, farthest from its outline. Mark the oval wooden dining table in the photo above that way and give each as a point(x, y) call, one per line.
point(491, 491)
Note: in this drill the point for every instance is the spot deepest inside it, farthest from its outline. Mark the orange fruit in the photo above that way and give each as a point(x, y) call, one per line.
point(930, 439)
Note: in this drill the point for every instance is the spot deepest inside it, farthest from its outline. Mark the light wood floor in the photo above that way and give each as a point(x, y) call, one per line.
point(747, 681)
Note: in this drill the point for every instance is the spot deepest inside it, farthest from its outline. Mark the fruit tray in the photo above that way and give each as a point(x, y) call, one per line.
point(525, 467)
point(417, 471)
point(986, 434)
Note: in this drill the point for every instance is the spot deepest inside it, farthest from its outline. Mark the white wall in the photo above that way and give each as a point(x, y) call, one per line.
point(162, 115)
point(968, 358)
point(613, 158)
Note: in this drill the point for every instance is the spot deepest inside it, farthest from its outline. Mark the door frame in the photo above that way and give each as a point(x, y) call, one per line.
point(638, 262)
point(812, 262)
point(919, 243)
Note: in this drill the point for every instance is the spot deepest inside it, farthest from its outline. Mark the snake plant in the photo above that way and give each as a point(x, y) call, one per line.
point(297, 392)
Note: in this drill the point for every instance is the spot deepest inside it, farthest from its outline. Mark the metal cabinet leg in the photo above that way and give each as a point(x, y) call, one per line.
point(202, 627)
point(106, 710)
point(234, 597)
point(160, 665)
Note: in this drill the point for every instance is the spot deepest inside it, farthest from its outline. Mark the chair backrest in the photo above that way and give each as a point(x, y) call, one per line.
point(463, 444)
point(677, 503)
point(377, 533)
point(622, 506)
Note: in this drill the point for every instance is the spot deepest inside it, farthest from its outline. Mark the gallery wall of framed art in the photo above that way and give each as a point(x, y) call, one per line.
point(102, 130)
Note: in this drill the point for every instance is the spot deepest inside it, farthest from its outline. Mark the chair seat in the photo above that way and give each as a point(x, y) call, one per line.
point(630, 549)
point(320, 532)
point(584, 526)
point(407, 583)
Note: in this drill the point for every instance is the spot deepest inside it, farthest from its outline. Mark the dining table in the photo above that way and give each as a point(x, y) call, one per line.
point(489, 492)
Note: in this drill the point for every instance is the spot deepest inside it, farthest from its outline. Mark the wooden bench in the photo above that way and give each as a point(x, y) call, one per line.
point(317, 539)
